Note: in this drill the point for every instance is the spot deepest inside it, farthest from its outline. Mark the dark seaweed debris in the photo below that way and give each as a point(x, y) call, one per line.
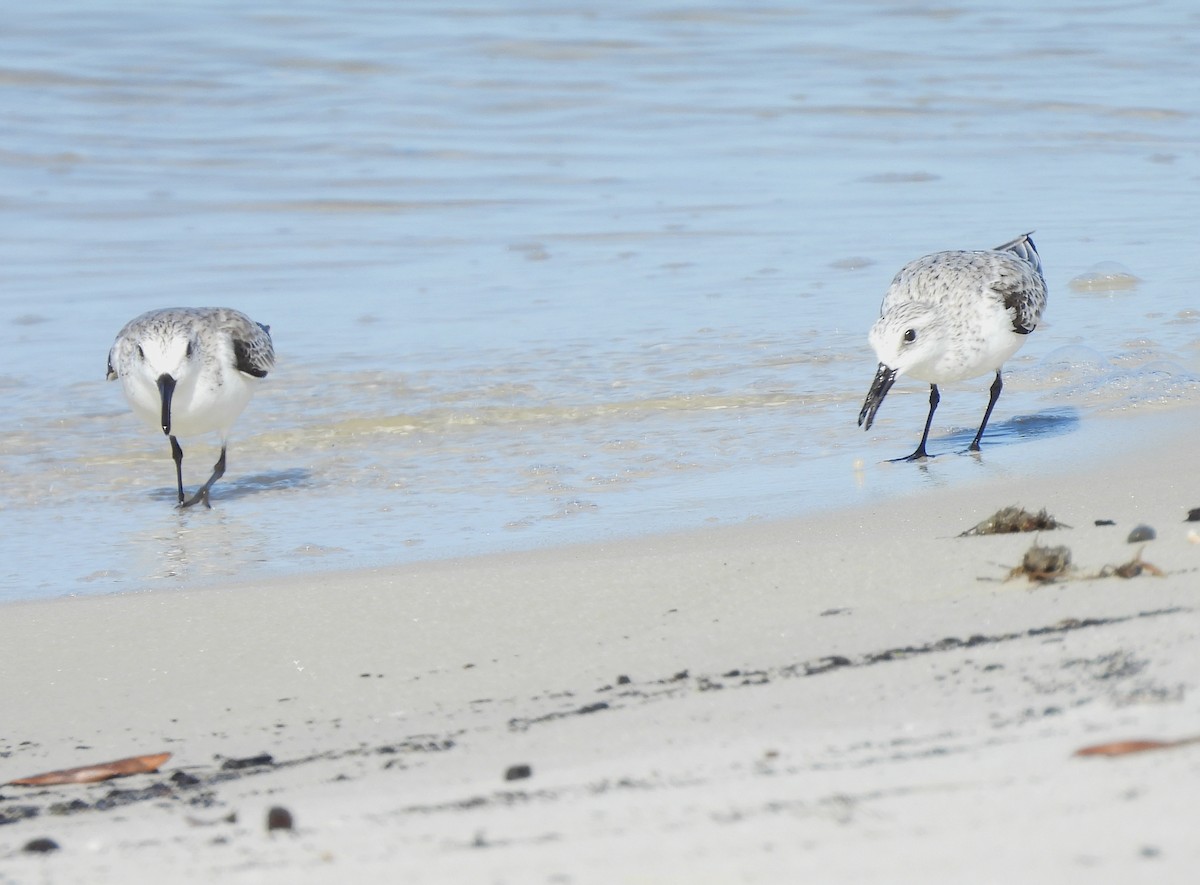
point(1010, 520)
point(1043, 564)
point(1133, 568)
point(247, 762)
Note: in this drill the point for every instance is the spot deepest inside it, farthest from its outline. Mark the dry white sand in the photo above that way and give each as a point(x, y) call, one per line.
point(858, 697)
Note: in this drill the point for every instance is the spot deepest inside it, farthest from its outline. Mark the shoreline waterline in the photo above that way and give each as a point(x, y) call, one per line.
point(1114, 443)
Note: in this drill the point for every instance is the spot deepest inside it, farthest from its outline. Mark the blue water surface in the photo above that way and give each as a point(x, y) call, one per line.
point(540, 275)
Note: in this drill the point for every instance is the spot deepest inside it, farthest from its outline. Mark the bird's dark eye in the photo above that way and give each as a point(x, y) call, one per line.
point(910, 335)
point(141, 353)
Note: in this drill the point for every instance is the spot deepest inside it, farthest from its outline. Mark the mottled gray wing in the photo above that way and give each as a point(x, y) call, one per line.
point(1023, 289)
point(255, 354)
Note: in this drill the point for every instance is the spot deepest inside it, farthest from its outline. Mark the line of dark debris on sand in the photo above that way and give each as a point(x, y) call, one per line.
point(196, 787)
point(683, 681)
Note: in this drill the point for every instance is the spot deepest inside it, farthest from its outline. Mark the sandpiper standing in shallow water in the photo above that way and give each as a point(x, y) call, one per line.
point(954, 315)
point(190, 370)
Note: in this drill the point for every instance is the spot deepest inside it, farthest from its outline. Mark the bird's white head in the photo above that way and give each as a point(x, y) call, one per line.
point(157, 362)
point(906, 342)
point(906, 339)
point(165, 355)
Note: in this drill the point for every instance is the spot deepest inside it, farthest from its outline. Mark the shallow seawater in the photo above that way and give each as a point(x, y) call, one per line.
point(539, 276)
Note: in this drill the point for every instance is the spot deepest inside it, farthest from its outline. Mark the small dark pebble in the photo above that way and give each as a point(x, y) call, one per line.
point(117, 798)
point(1140, 534)
point(248, 762)
point(623, 680)
point(183, 779)
point(278, 818)
point(13, 813)
point(73, 807)
point(40, 846)
point(518, 772)
point(1105, 522)
point(1193, 515)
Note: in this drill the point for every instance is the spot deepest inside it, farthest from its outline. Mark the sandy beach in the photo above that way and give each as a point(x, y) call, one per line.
point(571, 306)
point(863, 696)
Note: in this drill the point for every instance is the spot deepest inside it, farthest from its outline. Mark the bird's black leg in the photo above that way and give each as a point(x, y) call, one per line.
point(997, 386)
point(920, 453)
point(202, 492)
point(177, 454)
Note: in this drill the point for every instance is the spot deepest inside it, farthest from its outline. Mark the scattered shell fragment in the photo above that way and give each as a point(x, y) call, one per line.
point(1015, 519)
point(1141, 533)
point(1044, 564)
point(90, 774)
point(193, 821)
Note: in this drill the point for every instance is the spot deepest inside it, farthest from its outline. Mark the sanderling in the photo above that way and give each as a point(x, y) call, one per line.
point(954, 315)
point(190, 370)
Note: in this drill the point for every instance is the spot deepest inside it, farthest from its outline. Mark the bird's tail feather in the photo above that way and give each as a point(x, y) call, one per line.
point(1023, 247)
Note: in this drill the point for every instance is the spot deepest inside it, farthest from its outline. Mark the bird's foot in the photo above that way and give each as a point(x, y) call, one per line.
point(198, 498)
point(919, 455)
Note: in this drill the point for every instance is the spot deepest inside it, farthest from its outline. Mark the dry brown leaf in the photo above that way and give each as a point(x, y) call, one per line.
point(90, 774)
point(1123, 748)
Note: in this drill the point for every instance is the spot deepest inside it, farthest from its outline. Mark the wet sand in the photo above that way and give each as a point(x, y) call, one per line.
point(863, 696)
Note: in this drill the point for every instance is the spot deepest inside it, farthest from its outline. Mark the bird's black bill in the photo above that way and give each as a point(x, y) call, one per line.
point(166, 387)
point(884, 379)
